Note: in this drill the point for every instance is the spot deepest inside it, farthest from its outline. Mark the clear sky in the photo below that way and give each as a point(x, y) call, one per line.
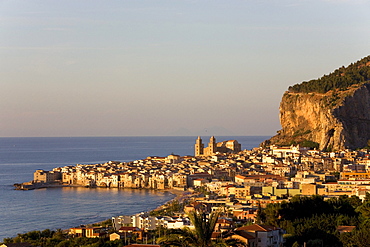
point(148, 67)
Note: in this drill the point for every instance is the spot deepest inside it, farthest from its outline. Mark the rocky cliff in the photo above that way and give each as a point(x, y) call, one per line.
point(334, 120)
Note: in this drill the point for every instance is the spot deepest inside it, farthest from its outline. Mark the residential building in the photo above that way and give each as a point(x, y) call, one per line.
point(264, 235)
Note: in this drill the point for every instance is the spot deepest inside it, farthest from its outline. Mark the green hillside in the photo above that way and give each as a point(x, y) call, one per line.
point(340, 79)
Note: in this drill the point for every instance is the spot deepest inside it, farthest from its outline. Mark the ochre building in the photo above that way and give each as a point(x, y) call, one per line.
point(231, 146)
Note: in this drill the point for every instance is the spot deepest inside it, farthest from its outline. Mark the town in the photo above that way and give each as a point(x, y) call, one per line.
point(219, 178)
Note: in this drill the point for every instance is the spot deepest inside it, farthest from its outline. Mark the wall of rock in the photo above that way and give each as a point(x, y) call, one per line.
point(335, 120)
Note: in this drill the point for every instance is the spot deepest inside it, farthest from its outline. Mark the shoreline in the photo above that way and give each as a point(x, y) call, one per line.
point(180, 196)
point(34, 186)
point(15, 174)
point(178, 193)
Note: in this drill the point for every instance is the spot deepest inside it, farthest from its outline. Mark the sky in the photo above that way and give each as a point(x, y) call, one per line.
point(166, 67)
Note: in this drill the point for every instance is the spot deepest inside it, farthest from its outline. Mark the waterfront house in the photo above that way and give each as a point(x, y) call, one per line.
point(88, 232)
point(41, 176)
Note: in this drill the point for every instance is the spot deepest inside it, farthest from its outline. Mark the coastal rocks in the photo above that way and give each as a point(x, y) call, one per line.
point(36, 185)
point(330, 121)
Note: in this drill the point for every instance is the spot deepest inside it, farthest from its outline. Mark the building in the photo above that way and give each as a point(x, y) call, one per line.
point(343, 229)
point(309, 189)
point(127, 232)
point(231, 146)
point(199, 147)
point(88, 232)
point(146, 222)
point(260, 235)
point(281, 152)
point(41, 176)
point(224, 225)
point(355, 175)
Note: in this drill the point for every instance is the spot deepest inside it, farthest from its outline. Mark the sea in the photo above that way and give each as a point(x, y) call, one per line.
point(63, 208)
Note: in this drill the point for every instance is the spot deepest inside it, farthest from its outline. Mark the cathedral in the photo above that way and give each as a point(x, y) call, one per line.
point(231, 146)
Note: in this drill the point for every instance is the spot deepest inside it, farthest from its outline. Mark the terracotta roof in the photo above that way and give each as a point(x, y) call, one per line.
point(216, 235)
point(220, 221)
point(129, 228)
point(245, 234)
point(257, 228)
point(345, 228)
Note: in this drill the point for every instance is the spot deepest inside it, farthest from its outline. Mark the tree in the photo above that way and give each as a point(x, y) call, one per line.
point(367, 197)
point(296, 244)
point(340, 79)
point(58, 234)
point(364, 209)
point(261, 216)
point(361, 237)
point(200, 236)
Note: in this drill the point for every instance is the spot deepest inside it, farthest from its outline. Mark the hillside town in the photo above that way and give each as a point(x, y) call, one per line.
point(219, 178)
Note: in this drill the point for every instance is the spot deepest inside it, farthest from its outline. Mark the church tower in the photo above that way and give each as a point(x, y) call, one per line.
point(212, 146)
point(199, 147)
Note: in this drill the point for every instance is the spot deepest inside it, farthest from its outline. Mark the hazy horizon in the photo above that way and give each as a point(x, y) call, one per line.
point(205, 136)
point(166, 68)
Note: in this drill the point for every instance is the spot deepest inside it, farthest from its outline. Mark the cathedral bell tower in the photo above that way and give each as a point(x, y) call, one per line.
point(199, 147)
point(212, 146)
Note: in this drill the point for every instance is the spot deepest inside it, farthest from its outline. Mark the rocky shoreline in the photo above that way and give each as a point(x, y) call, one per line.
point(32, 185)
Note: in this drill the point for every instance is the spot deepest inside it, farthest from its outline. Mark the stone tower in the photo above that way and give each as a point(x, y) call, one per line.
point(212, 146)
point(199, 147)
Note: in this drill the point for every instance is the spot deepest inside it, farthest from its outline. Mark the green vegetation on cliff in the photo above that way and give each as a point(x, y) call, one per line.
point(340, 79)
point(314, 221)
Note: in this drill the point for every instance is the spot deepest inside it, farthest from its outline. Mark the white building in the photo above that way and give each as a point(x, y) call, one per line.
point(146, 222)
point(260, 235)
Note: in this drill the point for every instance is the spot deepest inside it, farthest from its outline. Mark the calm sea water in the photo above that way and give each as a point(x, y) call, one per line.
point(23, 211)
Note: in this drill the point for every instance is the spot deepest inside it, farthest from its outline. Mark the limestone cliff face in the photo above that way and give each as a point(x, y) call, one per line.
point(335, 120)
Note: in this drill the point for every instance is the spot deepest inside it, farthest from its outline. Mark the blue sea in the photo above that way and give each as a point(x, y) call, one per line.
point(53, 208)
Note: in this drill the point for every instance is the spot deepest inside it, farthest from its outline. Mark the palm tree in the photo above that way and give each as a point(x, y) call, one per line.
point(200, 236)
